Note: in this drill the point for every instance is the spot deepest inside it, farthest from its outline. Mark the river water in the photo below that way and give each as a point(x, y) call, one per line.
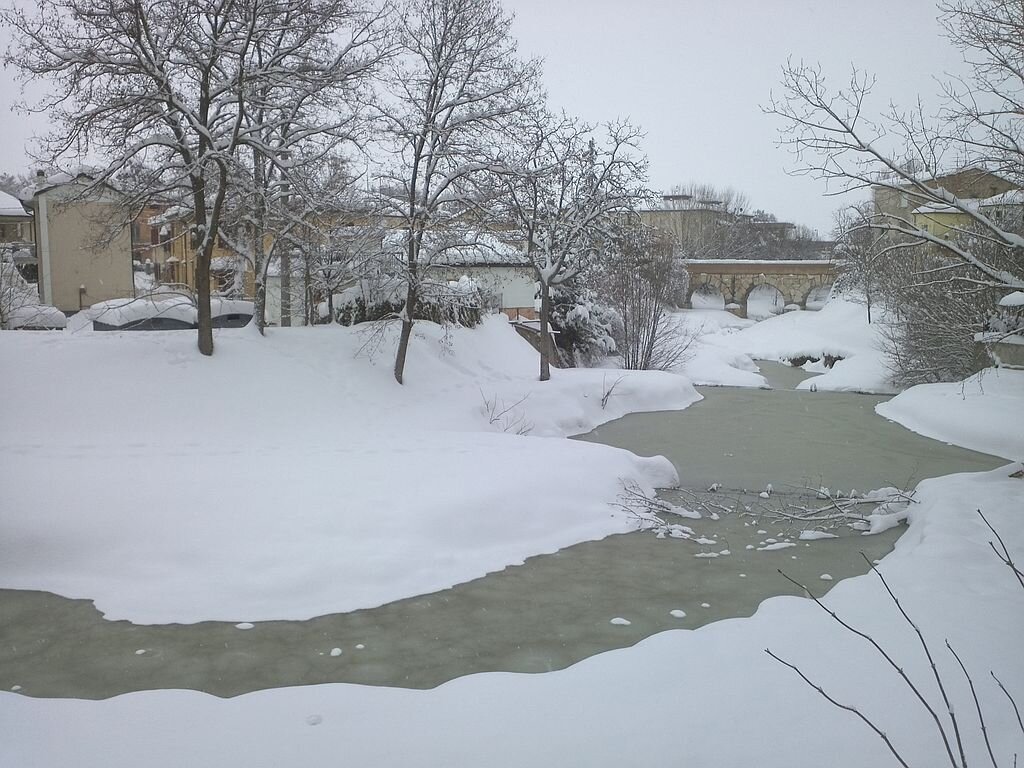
point(555, 609)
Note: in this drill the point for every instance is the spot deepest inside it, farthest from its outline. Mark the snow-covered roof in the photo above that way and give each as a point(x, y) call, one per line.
point(12, 206)
point(170, 215)
point(1010, 197)
point(473, 249)
point(61, 178)
point(1015, 299)
point(970, 204)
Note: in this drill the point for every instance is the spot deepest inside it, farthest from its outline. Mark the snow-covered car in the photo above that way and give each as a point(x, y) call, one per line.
point(165, 313)
point(37, 317)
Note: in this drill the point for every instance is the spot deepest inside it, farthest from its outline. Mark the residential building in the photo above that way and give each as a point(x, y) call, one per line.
point(84, 252)
point(967, 183)
point(17, 240)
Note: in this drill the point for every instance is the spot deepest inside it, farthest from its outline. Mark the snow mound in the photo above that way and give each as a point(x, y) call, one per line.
point(839, 329)
point(347, 490)
point(37, 316)
point(983, 412)
point(1015, 299)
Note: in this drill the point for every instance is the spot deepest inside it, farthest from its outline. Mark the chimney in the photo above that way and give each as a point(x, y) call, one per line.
point(40, 178)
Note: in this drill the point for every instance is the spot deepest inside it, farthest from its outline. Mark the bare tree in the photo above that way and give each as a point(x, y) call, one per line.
point(178, 88)
point(567, 186)
point(951, 726)
point(858, 252)
point(834, 138)
point(932, 325)
point(641, 276)
point(454, 83)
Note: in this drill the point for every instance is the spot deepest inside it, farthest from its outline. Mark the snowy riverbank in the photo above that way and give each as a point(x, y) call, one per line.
point(273, 478)
point(723, 353)
point(706, 697)
point(289, 477)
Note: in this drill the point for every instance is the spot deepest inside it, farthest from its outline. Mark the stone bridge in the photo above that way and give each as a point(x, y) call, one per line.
point(735, 279)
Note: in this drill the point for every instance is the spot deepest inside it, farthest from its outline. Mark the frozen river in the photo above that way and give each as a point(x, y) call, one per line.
point(555, 609)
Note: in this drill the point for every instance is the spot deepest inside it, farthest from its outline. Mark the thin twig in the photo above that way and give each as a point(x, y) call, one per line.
point(1005, 555)
point(848, 707)
point(885, 655)
point(977, 705)
point(1013, 703)
point(928, 654)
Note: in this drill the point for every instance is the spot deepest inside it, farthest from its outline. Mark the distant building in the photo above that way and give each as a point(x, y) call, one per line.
point(942, 220)
point(83, 253)
point(17, 240)
point(903, 201)
point(708, 229)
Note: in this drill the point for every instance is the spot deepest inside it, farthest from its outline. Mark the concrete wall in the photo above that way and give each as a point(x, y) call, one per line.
point(1008, 354)
point(514, 287)
point(941, 222)
point(79, 243)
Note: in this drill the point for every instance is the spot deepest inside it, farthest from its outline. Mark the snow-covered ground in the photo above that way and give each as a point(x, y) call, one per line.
point(984, 413)
point(710, 359)
point(289, 477)
point(724, 352)
point(297, 444)
point(705, 697)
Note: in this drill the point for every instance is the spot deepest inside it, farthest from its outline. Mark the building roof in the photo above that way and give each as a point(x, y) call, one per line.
point(12, 206)
point(970, 204)
point(473, 249)
point(61, 178)
point(1011, 197)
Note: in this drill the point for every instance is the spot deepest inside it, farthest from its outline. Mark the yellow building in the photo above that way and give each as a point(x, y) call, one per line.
point(943, 220)
point(902, 200)
point(162, 243)
point(83, 249)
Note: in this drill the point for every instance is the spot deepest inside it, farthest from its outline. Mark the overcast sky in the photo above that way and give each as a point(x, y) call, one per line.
point(694, 74)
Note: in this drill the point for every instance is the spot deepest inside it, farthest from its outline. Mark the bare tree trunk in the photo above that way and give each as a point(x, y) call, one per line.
point(259, 315)
point(286, 288)
point(545, 335)
point(203, 298)
point(259, 255)
point(307, 279)
point(403, 341)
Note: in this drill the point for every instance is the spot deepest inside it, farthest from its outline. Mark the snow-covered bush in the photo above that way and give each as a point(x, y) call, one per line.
point(587, 328)
point(1008, 318)
point(16, 293)
point(643, 275)
point(457, 302)
point(934, 323)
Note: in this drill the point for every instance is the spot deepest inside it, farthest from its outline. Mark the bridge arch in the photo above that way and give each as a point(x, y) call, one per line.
point(763, 298)
point(818, 294)
point(707, 295)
